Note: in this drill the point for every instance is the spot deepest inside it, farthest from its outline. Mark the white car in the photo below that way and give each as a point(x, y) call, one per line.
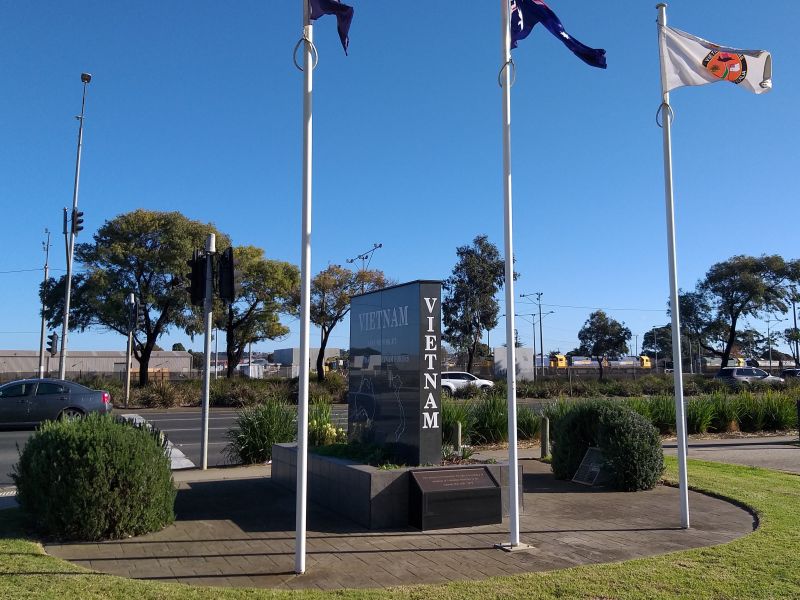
point(455, 380)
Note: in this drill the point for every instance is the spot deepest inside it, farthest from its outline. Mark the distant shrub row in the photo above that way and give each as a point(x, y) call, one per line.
point(236, 392)
point(720, 412)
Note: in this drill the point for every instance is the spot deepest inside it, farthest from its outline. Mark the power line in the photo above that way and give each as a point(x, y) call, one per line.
point(602, 307)
point(27, 270)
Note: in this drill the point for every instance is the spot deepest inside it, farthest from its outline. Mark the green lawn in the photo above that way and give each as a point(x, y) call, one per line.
point(764, 564)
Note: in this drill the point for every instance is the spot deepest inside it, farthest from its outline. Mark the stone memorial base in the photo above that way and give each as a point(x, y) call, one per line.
point(372, 497)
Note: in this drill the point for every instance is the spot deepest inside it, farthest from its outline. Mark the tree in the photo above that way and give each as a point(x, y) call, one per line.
point(143, 252)
point(742, 286)
point(178, 347)
point(469, 306)
point(266, 289)
point(331, 291)
point(603, 338)
point(658, 342)
point(792, 337)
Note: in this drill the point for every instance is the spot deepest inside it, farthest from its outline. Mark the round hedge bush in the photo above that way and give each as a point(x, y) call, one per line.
point(95, 478)
point(631, 446)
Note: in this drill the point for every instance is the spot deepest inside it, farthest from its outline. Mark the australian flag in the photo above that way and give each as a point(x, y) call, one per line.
point(527, 13)
point(344, 16)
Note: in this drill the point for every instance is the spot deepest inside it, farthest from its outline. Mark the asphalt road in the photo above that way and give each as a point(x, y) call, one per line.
point(182, 426)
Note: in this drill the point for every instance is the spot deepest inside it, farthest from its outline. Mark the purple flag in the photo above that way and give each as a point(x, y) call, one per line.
point(527, 13)
point(344, 16)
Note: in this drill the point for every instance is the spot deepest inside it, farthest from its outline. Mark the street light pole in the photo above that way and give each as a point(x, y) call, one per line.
point(794, 316)
point(62, 365)
point(769, 337)
point(44, 282)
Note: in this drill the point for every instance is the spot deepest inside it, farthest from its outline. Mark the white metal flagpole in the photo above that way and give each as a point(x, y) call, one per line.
point(680, 413)
point(305, 300)
point(511, 362)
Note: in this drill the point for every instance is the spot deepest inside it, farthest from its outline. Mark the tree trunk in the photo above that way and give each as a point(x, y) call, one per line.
point(600, 364)
point(471, 355)
point(144, 364)
point(323, 343)
point(729, 344)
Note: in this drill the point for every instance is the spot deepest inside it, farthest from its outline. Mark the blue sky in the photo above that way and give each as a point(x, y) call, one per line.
point(196, 106)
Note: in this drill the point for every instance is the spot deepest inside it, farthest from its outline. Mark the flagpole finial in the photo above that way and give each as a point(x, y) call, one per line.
point(661, 5)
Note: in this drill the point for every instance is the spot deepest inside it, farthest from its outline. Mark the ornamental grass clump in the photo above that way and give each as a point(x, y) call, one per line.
point(457, 411)
point(321, 432)
point(95, 478)
point(491, 419)
point(257, 428)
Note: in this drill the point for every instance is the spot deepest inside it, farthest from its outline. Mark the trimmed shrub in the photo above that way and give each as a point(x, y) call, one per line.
point(573, 429)
point(631, 448)
point(336, 385)
point(491, 419)
point(257, 428)
point(95, 478)
point(630, 444)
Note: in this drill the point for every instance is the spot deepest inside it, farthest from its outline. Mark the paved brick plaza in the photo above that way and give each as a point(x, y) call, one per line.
point(240, 532)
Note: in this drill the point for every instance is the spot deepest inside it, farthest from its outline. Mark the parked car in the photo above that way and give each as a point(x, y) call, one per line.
point(787, 373)
point(455, 380)
point(31, 401)
point(746, 376)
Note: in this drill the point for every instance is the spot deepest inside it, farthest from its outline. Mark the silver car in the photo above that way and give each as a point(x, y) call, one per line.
point(455, 380)
point(746, 376)
point(30, 401)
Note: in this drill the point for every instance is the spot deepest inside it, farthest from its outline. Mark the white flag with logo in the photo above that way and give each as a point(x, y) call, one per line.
point(689, 60)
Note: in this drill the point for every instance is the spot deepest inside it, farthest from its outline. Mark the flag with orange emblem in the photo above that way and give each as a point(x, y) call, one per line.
point(690, 60)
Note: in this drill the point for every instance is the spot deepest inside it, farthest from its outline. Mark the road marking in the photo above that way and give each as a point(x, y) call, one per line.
point(177, 458)
point(8, 492)
point(197, 429)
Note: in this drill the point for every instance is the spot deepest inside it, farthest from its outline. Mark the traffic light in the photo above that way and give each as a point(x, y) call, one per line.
point(139, 315)
point(197, 278)
point(52, 344)
point(77, 221)
point(226, 276)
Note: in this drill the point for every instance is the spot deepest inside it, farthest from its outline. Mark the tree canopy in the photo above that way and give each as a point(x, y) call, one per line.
point(265, 289)
point(331, 291)
point(469, 305)
point(143, 252)
point(603, 337)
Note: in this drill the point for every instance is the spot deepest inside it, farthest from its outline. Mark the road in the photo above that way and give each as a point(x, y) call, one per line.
point(182, 426)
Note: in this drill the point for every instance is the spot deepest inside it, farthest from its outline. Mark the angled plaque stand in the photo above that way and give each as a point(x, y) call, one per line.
point(591, 470)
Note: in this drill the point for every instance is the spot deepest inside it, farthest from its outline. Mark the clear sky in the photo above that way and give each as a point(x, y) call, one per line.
point(196, 107)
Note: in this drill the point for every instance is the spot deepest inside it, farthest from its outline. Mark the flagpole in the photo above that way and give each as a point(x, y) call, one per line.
point(305, 298)
point(511, 363)
point(680, 416)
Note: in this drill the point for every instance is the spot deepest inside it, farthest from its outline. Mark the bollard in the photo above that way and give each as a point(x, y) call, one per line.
point(544, 433)
point(458, 437)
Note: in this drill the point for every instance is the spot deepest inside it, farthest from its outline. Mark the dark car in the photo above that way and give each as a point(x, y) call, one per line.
point(31, 401)
point(787, 373)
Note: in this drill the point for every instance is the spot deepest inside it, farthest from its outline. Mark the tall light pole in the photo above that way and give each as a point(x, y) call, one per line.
point(365, 258)
point(44, 282)
point(133, 315)
point(62, 365)
point(769, 320)
point(794, 317)
point(541, 335)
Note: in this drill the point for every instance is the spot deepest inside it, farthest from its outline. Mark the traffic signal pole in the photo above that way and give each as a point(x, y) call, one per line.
point(62, 364)
point(208, 302)
point(44, 282)
point(128, 366)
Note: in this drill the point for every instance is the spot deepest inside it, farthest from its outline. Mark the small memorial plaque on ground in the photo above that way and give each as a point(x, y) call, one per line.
point(592, 471)
point(454, 497)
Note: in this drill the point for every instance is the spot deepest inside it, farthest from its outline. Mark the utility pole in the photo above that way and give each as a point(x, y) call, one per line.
point(133, 314)
point(541, 339)
point(44, 282)
point(769, 320)
point(62, 365)
point(655, 345)
point(794, 316)
point(365, 258)
point(207, 304)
